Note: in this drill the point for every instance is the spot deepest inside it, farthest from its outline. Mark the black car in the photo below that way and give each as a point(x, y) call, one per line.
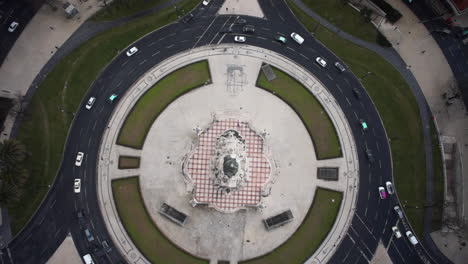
point(248, 29)
point(370, 156)
point(356, 93)
point(241, 21)
point(226, 30)
point(187, 18)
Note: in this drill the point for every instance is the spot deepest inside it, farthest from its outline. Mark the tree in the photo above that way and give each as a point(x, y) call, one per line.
point(12, 152)
point(13, 175)
point(9, 194)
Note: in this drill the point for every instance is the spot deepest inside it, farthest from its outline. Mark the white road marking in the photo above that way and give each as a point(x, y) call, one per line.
point(262, 38)
point(329, 77)
point(119, 83)
point(304, 56)
point(291, 49)
point(123, 64)
point(377, 144)
point(152, 43)
point(355, 115)
point(141, 63)
point(154, 54)
point(204, 32)
point(170, 46)
point(349, 102)
point(339, 88)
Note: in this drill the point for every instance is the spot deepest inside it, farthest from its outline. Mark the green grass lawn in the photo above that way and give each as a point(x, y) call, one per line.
point(398, 109)
point(140, 227)
point(313, 230)
point(127, 162)
point(45, 126)
point(157, 98)
point(311, 112)
point(123, 8)
point(344, 17)
point(438, 185)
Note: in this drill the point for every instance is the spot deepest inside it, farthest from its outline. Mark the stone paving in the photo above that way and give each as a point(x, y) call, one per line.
point(241, 7)
point(174, 139)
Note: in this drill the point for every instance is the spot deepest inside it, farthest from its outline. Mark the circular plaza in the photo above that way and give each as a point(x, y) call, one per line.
point(210, 157)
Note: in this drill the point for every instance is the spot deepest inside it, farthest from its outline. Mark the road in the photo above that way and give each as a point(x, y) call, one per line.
point(57, 215)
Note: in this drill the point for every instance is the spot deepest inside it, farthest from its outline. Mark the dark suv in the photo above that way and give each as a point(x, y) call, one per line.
point(248, 29)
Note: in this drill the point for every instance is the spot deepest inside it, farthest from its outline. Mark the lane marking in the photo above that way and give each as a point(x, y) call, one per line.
point(349, 102)
point(170, 46)
point(156, 53)
point(262, 38)
point(329, 77)
point(304, 56)
point(204, 32)
point(119, 83)
point(291, 49)
point(357, 118)
point(123, 64)
point(339, 88)
point(141, 63)
point(152, 43)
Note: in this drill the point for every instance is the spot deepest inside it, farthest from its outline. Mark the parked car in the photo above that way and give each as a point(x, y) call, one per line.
point(79, 159)
point(396, 232)
point(248, 29)
point(132, 51)
point(363, 124)
point(412, 239)
point(239, 39)
point(390, 189)
point(280, 39)
point(89, 236)
point(321, 62)
point(90, 102)
point(13, 26)
point(340, 67)
point(77, 185)
point(296, 37)
point(398, 211)
point(369, 155)
point(382, 193)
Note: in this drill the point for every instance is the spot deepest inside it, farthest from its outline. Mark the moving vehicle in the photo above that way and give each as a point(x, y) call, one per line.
point(297, 38)
point(132, 51)
point(280, 39)
point(88, 259)
point(363, 124)
point(396, 232)
point(187, 18)
point(205, 2)
point(321, 62)
point(106, 246)
point(90, 102)
point(77, 185)
point(369, 155)
point(248, 29)
point(356, 93)
point(13, 26)
point(89, 236)
point(113, 97)
point(340, 67)
point(390, 189)
point(79, 159)
point(398, 211)
point(241, 21)
point(412, 239)
point(239, 39)
point(382, 193)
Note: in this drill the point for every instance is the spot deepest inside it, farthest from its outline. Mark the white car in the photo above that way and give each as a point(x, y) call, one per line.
point(396, 232)
point(206, 2)
point(77, 185)
point(412, 239)
point(297, 38)
point(321, 62)
point(132, 51)
point(239, 39)
point(390, 189)
point(13, 26)
point(90, 102)
point(79, 159)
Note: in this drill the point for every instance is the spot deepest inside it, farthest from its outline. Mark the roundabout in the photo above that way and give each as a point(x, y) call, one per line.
point(225, 156)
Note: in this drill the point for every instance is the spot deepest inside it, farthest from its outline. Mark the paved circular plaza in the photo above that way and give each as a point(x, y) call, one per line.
point(225, 157)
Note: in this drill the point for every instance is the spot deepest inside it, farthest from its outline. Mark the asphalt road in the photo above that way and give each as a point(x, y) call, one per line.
point(57, 215)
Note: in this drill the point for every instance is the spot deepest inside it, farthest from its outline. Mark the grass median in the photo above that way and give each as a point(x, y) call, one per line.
point(310, 234)
point(51, 110)
point(128, 162)
point(119, 9)
point(398, 109)
point(157, 98)
point(311, 112)
point(141, 228)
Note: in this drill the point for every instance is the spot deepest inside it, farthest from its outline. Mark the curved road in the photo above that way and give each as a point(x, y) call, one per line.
point(57, 215)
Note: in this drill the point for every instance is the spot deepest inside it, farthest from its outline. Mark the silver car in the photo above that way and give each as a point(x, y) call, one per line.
point(321, 62)
point(132, 51)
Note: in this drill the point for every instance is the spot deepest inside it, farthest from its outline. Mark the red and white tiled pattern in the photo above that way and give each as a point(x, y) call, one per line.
point(199, 168)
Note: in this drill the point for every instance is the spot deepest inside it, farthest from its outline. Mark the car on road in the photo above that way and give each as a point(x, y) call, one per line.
point(296, 37)
point(398, 211)
point(389, 186)
point(206, 2)
point(340, 67)
point(132, 51)
point(226, 30)
point(412, 239)
point(363, 124)
point(187, 18)
point(79, 159)
point(396, 231)
point(240, 39)
point(13, 26)
point(77, 185)
point(113, 97)
point(89, 236)
point(88, 259)
point(356, 93)
point(382, 193)
point(370, 156)
point(106, 246)
point(280, 39)
point(321, 62)
point(248, 29)
point(241, 21)
point(90, 102)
